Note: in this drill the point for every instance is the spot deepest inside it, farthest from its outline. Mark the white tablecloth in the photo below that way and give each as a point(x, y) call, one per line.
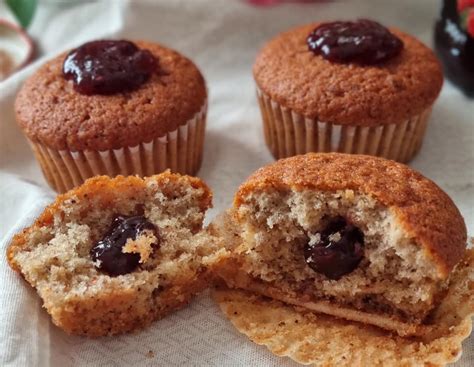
point(222, 37)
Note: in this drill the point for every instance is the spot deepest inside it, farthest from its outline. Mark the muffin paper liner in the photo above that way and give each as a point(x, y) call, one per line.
point(288, 133)
point(180, 151)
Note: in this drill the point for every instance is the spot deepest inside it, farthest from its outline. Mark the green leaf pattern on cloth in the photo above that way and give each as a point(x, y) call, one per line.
point(23, 10)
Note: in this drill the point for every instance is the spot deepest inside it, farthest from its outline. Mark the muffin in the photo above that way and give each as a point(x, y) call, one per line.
point(321, 231)
point(114, 107)
point(350, 87)
point(115, 254)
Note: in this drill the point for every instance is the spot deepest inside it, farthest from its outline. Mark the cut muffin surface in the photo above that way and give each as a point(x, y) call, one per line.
point(164, 259)
point(357, 237)
point(322, 340)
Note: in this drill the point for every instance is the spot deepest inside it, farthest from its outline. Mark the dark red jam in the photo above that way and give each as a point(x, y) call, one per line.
point(338, 251)
point(454, 43)
point(108, 251)
point(362, 42)
point(107, 67)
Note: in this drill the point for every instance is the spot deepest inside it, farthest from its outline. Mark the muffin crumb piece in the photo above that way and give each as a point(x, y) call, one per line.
point(150, 354)
point(142, 245)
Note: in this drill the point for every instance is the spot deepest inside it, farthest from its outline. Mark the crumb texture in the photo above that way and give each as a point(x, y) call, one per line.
point(422, 210)
point(53, 255)
point(142, 245)
point(413, 238)
point(348, 94)
point(394, 275)
point(52, 113)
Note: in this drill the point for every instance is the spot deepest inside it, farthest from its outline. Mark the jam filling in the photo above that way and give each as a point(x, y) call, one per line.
point(107, 67)
point(363, 42)
point(338, 251)
point(108, 251)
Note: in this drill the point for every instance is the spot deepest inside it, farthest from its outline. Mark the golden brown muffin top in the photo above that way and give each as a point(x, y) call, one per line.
point(425, 212)
point(348, 94)
point(52, 113)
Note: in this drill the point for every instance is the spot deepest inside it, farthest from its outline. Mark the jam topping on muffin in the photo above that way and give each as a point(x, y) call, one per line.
point(363, 42)
point(107, 67)
point(336, 250)
point(128, 242)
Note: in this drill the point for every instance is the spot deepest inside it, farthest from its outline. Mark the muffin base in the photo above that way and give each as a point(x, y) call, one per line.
point(287, 133)
point(123, 312)
point(180, 151)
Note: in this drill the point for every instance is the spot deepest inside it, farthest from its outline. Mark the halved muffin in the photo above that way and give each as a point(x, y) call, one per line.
point(357, 237)
point(115, 254)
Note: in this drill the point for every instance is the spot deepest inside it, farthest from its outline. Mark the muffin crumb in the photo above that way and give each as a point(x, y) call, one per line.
point(142, 245)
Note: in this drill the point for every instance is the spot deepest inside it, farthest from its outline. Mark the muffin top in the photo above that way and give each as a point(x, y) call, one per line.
point(424, 211)
point(348, 93)
point(51, 112)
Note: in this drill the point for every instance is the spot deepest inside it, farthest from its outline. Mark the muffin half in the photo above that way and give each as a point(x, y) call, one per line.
point(357, 237)
point(114, 107)
point(116, 254)
point(349, 87)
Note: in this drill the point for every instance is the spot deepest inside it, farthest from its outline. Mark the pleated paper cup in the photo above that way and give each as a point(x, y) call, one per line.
point(287, 133)
point(180, 151)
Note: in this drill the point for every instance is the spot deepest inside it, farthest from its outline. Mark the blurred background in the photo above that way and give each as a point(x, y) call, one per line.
point(32, 28)
point(223, 38)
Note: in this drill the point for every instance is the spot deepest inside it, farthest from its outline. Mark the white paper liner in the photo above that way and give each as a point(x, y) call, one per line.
point(180, 151)
point(287, 133)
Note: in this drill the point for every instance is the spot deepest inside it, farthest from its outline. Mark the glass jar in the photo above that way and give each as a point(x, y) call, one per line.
point(454, 43)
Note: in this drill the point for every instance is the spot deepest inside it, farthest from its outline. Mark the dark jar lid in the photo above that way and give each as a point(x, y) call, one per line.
point(454, 43)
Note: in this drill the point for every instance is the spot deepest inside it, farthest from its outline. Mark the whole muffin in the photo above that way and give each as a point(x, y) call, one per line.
point(352, 87)
point(322, 231)
point(114, 107)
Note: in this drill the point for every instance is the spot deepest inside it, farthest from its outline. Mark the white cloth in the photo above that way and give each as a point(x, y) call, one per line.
point(222, 37)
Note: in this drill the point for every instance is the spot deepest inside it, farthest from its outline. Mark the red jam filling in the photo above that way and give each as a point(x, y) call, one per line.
point(338, 251)
point(363, 42)
point(107, 67)
point(108, 251)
